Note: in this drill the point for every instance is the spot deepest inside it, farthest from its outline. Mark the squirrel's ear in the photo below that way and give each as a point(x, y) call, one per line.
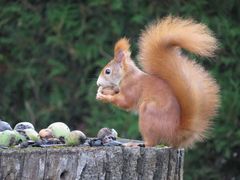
point(119, 57)
point(121, 45)
point(120, 48)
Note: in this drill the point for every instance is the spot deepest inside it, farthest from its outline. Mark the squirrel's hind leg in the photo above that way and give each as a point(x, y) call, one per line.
point(155, 124)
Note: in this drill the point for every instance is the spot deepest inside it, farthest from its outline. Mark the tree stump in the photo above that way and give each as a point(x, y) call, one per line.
point(70, 163)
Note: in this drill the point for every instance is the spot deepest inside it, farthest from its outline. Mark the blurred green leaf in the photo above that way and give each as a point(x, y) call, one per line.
point(57, 68)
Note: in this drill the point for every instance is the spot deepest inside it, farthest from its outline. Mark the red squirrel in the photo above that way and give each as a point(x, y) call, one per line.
point(175, 97)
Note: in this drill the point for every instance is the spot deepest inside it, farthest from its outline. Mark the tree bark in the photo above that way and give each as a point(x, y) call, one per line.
point(70, 163)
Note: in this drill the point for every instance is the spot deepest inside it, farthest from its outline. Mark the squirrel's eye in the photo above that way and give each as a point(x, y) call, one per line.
point(107, 71)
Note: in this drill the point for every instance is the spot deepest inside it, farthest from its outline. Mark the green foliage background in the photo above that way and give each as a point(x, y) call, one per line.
point(52, 51)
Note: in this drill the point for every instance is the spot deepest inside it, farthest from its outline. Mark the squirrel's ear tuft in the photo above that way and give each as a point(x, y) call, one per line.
point(121, 45)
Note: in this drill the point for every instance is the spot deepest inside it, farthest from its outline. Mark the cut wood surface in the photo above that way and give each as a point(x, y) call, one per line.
point(70, 163)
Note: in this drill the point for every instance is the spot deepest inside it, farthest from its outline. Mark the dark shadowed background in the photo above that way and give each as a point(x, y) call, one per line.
point(52, 51)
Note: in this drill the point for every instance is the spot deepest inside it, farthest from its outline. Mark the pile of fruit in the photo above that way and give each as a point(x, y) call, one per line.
point(56, 134)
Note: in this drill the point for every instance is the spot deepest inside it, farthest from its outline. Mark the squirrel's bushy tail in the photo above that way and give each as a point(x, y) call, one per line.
point(196, 91)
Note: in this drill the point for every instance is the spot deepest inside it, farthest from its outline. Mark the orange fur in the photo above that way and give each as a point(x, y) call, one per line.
point(122, 44)
point(195, 89)
point(174, 96)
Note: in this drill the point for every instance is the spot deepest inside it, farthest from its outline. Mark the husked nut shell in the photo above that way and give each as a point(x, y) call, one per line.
point(110, 90)
point(46, 133)
point(102, 133)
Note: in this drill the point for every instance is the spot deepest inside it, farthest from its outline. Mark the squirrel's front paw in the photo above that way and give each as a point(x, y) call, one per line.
point(99, 96)
point(104, 98)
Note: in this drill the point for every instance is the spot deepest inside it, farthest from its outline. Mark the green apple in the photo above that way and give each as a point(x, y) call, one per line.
point(59, 129)
point(75, 138)
point(7, 138)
